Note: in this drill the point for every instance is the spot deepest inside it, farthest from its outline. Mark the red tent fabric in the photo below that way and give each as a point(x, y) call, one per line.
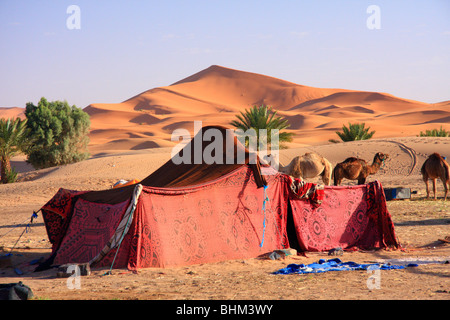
point(198, 213)
point(92, 225)
point(227, 218)
point(56, 213)
point(220, 220)
point(348, 217)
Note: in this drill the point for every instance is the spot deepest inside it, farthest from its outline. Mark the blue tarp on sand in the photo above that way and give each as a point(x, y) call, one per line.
point(334, 265)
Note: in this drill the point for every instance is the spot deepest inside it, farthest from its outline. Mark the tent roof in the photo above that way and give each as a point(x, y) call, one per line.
point(172, 175)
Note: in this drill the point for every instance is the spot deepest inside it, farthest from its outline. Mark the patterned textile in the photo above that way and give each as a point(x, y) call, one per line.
point(306, 190)
point(122, 229)
point(91, 227)
point(349, 217)
point(56, 212)
point(211, 222)
point(230, 217)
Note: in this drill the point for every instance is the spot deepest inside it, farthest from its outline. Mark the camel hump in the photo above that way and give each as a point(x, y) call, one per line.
point(311, 155)
point(352, 159)
point(436, 157)
point(315, 157)
point(445, 165)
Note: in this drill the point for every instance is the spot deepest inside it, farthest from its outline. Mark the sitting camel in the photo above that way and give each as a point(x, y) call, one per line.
point(357, 169)
point(436, 167)
point(308, 166)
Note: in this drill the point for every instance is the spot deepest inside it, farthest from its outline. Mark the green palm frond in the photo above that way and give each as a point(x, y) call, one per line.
point(263, 117)
point(353, 132)
point(14, 136)
point(14, 139)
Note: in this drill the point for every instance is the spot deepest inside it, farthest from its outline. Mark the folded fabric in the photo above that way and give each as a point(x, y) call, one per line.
point(305, 190)
point(334, 265)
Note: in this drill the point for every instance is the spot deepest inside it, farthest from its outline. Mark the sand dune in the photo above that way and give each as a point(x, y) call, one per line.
point(12, 112)
point(217, 94)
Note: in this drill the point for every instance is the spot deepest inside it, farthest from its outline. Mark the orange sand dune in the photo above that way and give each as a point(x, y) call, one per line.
point(374, 101)
point(217, 94)
point(236, 89)
point(13, 112)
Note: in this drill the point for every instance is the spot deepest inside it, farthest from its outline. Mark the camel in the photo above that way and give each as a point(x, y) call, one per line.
point(307, 166)
point(357, 169)
point(436, 167)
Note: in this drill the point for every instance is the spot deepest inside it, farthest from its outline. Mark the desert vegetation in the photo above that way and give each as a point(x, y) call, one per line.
point(354, 131)
point(263, 117)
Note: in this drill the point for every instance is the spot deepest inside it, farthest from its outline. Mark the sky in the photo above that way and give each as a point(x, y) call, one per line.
point(86, 51)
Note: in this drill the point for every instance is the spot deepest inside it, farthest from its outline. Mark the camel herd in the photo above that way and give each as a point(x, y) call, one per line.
point(311, 165)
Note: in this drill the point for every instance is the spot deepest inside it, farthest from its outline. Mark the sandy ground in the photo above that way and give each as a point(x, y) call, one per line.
point(419, 224)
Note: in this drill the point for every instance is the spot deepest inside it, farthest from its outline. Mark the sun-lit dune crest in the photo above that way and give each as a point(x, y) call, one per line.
point(240, 88)
point(372, 102)
point(418, 117)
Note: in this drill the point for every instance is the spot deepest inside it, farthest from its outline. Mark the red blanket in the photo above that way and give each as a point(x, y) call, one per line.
point(348, 217)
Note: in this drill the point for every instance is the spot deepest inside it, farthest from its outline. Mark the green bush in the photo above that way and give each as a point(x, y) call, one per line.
point(11, 175)
point(356, 131)
point(435, 133)
point(60, 132)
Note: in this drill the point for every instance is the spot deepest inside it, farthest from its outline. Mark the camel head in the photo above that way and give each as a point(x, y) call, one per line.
point(380, 157)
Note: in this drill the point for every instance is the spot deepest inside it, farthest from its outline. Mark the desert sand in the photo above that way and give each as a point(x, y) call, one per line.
point(130, 140)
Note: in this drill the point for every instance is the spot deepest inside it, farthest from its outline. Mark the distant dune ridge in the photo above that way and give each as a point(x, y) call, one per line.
point(12, 112)
point(217, 94)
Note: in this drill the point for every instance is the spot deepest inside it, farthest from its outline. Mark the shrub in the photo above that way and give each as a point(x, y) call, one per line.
point(353, 132)
point(11, 175)
point(60, 132)
point(435, 133)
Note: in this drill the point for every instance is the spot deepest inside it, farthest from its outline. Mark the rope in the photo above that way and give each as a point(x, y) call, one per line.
point(266, 198)
point(125, 230)
point(27, 229)
point(12, 228)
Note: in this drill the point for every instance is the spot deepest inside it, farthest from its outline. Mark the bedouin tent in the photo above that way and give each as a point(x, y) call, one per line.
point(191, 213)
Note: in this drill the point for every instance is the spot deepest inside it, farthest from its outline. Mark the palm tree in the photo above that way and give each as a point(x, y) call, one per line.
point(263, 117)
point(356, 131)
point(14, 139)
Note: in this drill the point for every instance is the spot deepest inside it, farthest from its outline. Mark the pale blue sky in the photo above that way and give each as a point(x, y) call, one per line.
point(126, 47)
